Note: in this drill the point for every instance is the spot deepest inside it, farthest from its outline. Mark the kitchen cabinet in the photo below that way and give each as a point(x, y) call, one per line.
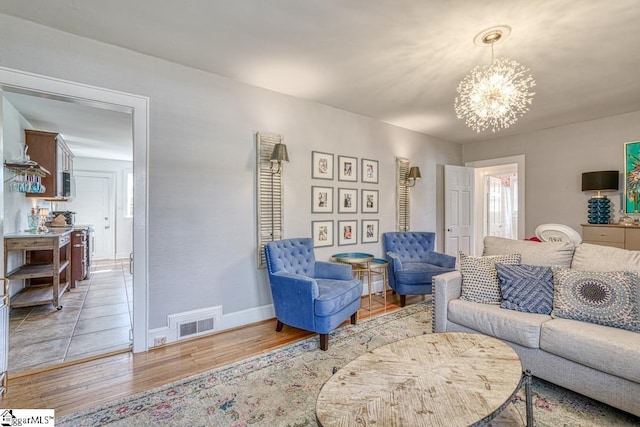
point(619, 236)
point(79, 255)
point(51, 152)
point(46, 268)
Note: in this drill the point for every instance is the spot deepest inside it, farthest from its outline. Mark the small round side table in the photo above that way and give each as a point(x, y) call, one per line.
point(379, 267)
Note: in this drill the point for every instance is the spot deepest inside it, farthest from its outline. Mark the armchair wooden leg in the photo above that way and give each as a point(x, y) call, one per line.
point(324, 342)
point(279, 326)
point(403, 300)
point(354, 318)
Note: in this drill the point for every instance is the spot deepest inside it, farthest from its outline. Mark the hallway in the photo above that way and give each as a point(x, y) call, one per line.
point(96, 318)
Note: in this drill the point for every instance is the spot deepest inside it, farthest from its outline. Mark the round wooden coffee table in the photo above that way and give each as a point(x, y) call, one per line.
point(445, 379)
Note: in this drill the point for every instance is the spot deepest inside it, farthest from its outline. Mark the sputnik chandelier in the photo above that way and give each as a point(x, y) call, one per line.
point(494, 96)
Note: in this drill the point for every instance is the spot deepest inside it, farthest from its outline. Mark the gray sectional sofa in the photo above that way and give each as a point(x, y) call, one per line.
point(601, 362)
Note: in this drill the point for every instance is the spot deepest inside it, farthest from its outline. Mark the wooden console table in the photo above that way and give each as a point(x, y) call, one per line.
point(616, 235)
point(46, 268)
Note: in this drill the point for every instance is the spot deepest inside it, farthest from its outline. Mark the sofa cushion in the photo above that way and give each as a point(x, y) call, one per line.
point(611, 350)
point(604, 298)
point(334, 295)
point(547, 254)
point(605, 258)
point(418, 272)
point(514, 326)
point(480, 278)
point(526, 288)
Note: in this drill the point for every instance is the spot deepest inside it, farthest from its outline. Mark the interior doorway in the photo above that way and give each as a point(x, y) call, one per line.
point(499, 196)
point(501, 203)
point(41, 86)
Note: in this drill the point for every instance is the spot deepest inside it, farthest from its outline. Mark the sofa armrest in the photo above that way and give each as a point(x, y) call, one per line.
point(292, 286)
point(332, 270)
point(440, 259)
point(446, 287)
point(394, 259)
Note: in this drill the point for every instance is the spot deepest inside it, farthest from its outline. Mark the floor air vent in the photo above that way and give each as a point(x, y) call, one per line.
point(195, 322)
point(194, 328)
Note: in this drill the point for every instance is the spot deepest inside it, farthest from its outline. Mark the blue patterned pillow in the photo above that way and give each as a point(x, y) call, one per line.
point(604, 298)
point(527, 288)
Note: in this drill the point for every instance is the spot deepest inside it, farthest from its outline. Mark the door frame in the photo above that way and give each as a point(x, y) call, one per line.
point(111, 176)
point(478, 228)
point(138, 106)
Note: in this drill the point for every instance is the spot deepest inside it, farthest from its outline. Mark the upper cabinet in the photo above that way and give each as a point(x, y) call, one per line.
point(53, 154)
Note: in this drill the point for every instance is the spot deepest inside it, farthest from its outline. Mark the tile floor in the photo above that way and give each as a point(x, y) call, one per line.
point(96, 318)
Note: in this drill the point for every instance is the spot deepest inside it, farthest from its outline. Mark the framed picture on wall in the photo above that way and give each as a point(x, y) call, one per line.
point(347, 233)
point(369, 231)
point(321, 165)
point(347, 168)
point(321, 199)
point(322, 232)
point(369, 171)
point(631, 176)
point(369, 201)
point(347, 200)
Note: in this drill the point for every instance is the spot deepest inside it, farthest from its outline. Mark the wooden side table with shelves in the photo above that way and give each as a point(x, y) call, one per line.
point(46, 269)
point(616, 235)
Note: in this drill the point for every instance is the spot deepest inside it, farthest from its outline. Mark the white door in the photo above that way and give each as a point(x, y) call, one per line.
point(458, 209)
point(93, 206)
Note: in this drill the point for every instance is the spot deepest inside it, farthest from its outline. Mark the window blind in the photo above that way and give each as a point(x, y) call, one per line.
point(403, 219)
point(270, 203)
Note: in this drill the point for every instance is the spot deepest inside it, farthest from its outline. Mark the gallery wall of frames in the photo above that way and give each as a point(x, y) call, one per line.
point(334, 193)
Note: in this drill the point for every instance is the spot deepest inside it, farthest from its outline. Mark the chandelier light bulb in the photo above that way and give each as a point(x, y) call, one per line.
point(494, 96)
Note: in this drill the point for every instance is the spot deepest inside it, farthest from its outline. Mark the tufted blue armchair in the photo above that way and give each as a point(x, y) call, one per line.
point(413, 262)
point(313, 295)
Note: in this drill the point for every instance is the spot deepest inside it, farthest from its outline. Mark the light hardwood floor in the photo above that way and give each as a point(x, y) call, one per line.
point(79, 385)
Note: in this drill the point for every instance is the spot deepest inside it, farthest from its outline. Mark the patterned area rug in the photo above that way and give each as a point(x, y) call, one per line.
point(280, 388)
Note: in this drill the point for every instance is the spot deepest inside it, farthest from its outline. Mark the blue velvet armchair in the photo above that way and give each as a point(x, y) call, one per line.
point(312, 295)
point(413, 262)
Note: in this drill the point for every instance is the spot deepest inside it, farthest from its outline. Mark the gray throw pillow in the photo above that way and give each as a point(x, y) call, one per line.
point(604, 298)
point(480, 277)
point(526, 288)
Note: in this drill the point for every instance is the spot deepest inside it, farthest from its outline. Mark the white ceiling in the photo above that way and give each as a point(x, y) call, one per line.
point(89, 131)
point(398, 61)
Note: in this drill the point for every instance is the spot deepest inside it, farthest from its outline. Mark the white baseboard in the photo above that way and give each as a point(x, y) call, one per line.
point(244, 317)
point(168, 334)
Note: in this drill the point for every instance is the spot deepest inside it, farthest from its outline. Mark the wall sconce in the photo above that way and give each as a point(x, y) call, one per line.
point(278, 155)
point(413, 176)
point(599, 209)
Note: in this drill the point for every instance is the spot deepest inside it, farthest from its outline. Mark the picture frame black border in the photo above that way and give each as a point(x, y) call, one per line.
point(354, 177)
point(313, 165)
point(330, 198)
point(355, 202)
point(363, 234)
point(331, 233)
point(377, 172)
point(354, 230)
point(363, 208)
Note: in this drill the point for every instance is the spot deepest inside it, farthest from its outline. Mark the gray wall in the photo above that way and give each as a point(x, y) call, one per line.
point(555, 161)
point(202, 164)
